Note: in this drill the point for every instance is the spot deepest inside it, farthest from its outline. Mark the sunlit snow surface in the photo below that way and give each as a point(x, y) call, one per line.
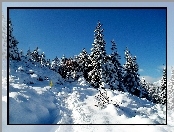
point(74, 103)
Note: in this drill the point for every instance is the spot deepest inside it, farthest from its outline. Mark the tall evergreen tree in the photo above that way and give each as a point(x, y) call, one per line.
point(13, 49)
point(163, 89)
point(63, 69)
point(118, 74)
point(158, 94)
point(28, 56)
point(75, 69)
point(83, 63)
point(109, 78)
point(35, 55)
point(97, 57)
point(131, 77)
point(55, 64)
point(43, 59)
point(143, 82)
point(48, 63)
point(21, 55)
point(145, 88)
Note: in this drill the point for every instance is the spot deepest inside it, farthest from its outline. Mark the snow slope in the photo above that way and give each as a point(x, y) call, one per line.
point(73, 103)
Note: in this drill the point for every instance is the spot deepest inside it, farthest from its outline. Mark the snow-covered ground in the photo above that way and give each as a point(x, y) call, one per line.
point(73, 103)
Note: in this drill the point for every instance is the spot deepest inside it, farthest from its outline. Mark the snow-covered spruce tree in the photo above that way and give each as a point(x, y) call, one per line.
point(70, 72)
point(109, 78)
point(83, 63)
point(55, 64)
point(13, 49)
point(143, 82)
point(151, 90)
point(116, 81)
point(158, 93)
point(97, 58)
point(163, 88)
point(131, 77)
point(170, 92)
point(76, 67)
point(48, 63)
point(28, 55)
point(21, 55)
point(42, 59)
point(145, 88)
point(36, 58)
point(63, 69)
point(35, 55)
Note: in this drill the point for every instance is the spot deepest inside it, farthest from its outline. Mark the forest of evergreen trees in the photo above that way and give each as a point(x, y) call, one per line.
point(101, 70)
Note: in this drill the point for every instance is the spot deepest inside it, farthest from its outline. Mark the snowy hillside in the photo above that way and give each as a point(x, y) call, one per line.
point(74, 103)
point(71, 103)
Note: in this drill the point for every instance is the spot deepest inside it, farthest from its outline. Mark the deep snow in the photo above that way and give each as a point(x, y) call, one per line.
point(73, 103)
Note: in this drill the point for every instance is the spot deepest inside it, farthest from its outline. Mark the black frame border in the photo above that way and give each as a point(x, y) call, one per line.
point(97, 8)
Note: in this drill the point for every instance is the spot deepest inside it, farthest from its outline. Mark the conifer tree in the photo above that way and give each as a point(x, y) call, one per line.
point(117, 81)
point(29, 57)
point(21, 55)
point(143, 82)
point(35, 55)
point(55, 64)
point(76, 63)
point(163, 89)
point(48, 63)
point(63, 69)
point(145, 88)
point(131, 77)
point(97, 57)
point(13, 49)
point(43, 59)
point(108, 76)
point(157, 94)
point(83, 63)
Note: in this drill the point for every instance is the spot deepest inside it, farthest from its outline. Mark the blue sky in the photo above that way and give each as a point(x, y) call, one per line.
point(68, 31)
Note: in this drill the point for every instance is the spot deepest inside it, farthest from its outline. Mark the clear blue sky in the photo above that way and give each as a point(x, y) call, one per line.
point(61, 31)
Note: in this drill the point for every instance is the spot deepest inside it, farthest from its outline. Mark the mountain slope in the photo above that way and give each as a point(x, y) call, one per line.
point(73, 103)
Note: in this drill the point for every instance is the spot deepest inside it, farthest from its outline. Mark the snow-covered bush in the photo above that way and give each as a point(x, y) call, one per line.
point(103, 98)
